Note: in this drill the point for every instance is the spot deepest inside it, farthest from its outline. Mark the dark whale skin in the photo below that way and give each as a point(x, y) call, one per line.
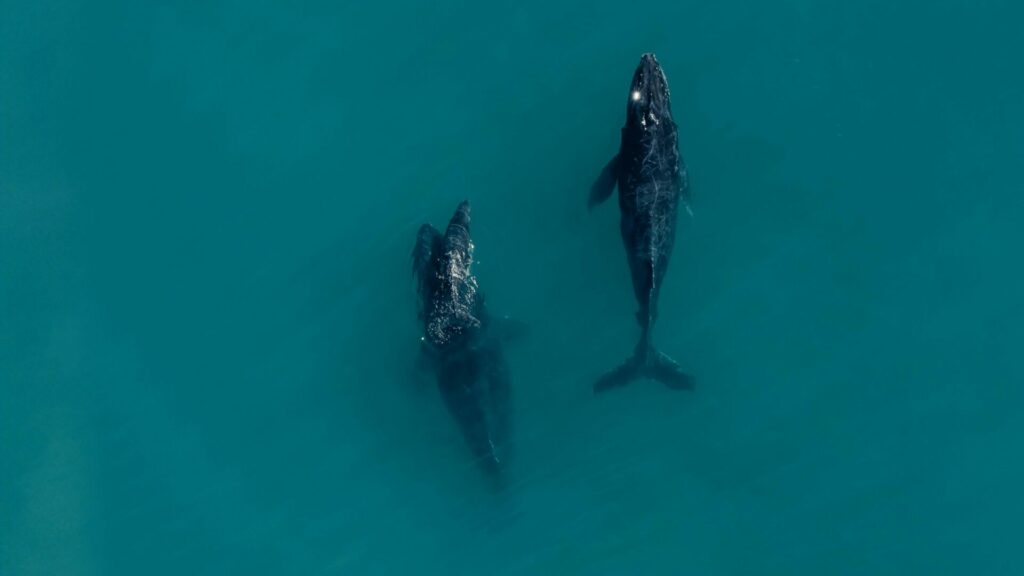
point(462, 342)
point(651, 178)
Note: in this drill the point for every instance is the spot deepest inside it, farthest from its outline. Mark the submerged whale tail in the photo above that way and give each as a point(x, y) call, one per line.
point(646, 362)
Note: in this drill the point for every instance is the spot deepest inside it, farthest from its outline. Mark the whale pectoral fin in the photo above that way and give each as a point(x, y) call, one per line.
point(511, 329)
point(684, 193)
point(424, 367)
point(605, 184)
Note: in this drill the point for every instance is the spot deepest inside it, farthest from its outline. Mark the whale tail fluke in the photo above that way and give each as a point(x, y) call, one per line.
point(664, 369)
point(646, 363)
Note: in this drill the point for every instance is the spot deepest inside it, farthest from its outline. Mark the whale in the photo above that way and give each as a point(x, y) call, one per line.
point(651, 179)
point(462, 344)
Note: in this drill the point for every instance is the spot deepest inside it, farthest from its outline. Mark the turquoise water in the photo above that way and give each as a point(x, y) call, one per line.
point(207, 325)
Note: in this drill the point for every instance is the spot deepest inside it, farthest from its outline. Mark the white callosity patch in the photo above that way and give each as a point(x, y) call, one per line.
point(454, 307)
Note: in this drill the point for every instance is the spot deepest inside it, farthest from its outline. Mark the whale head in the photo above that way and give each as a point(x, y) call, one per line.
point(453, 316)
point(649, 105)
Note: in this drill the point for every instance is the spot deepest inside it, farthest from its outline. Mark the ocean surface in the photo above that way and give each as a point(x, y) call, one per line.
point(207, 321)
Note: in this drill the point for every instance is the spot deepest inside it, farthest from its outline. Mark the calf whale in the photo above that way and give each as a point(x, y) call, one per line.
point(651, 178)
point(461, 341)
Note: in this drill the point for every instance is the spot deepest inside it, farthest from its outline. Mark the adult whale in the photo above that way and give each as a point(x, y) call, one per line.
point(462, 342)
point(651, 179)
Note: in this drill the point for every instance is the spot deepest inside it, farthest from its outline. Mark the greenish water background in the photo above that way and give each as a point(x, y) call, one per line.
point(206, 316)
